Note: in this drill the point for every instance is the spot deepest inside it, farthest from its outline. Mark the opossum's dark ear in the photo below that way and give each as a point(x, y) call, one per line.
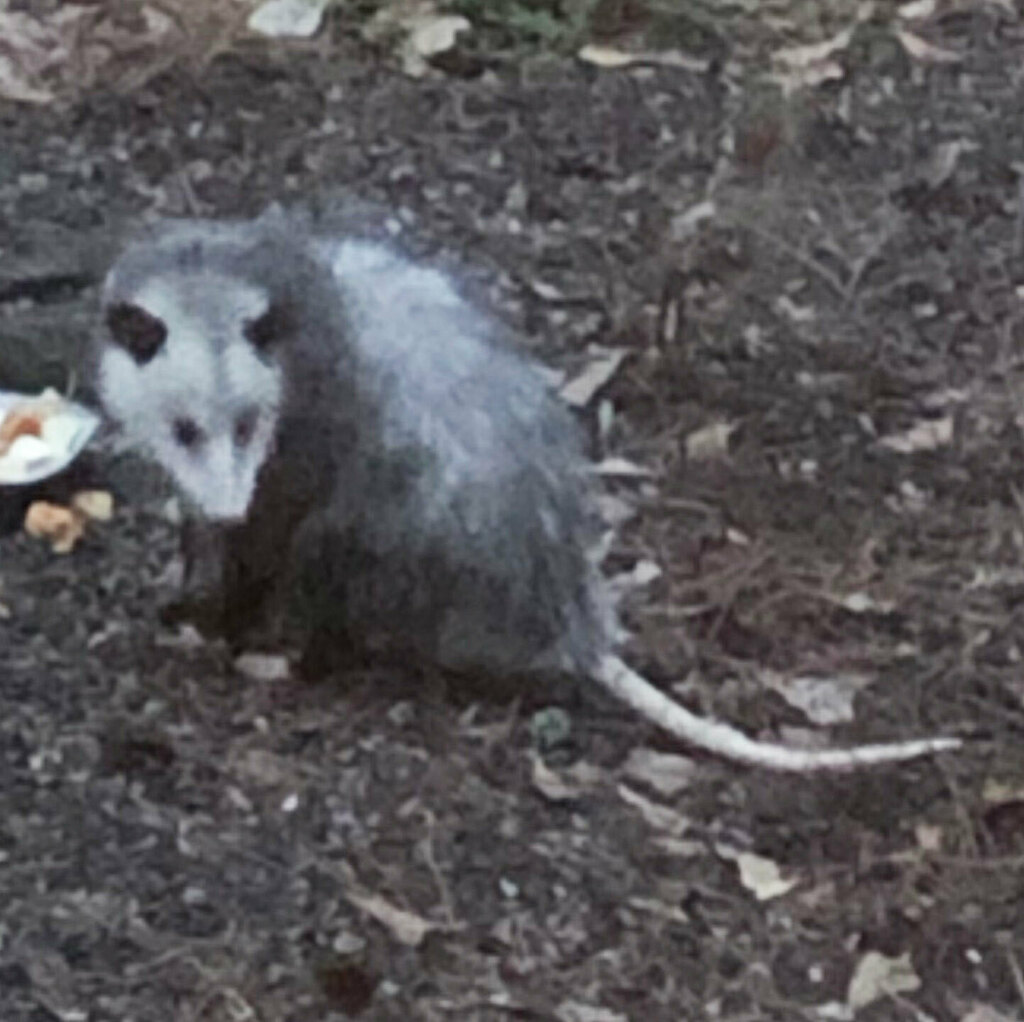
point(268, 330)
point(138, 332)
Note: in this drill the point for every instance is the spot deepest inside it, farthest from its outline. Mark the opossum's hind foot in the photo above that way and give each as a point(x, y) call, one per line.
point(326, 655)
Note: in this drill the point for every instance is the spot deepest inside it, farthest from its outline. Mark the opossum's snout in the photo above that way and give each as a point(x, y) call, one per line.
point(221, 497)
point(218, 471)
point(228, 504)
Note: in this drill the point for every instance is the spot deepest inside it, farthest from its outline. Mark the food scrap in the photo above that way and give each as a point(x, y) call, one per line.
point(40, 436)
point(96, 505)
point(60, 525)
point(27, 419)
point(65, 526)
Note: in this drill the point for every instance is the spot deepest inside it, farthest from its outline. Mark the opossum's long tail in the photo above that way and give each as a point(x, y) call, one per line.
point(725, 741)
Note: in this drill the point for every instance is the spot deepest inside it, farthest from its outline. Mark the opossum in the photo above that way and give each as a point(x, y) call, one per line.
point(380, 456)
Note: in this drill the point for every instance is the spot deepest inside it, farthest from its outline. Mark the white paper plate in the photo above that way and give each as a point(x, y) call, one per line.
point(64, 437)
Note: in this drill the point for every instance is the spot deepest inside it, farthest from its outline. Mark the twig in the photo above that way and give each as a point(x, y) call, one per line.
point(804, 260)
point(443, 888)
point(1018, 241)
point(1015, 971)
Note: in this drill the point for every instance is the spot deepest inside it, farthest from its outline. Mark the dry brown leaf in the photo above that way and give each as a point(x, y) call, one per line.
point(983, 1013)
point(877, 976)
point(793, 312)
point(807, 77)
point(642, 574)
point(684, 225)
point(583, 388)
point(432, 36)
point(833, 1011)
point(34, 48)
point(64, 50)
point(680, 847)
point(610, 58)
point(864, 603)
point(823, 701)
point(288, 18)
point(423, 30)
point(916, 10)
point(406, 927)
point(942, 163)
point(929, 837)
point(622, 468)
point(664, 772)
point(267, 667)
point(54, 984)
point(761, 876)
point(997, 793)
point(575, 1011)
point(29, 46)
point(659, 817)
point(813, 53)
point(660, 910)
point(565, 785)
point(606, 56)
point(946, 396)
point(550, 293)
point(927, 435)
point(18, 87)
point(926, 52)
point(710, 443)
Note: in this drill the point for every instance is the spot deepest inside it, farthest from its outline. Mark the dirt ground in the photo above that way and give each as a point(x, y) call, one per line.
point(179, 841)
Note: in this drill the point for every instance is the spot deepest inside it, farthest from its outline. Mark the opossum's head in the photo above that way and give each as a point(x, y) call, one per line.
point(189, 357)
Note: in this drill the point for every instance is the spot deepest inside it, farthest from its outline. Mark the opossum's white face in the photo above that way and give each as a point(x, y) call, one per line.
point(185, 372)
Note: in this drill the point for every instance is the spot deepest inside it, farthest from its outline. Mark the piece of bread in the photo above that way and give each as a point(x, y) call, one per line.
point(62, 526)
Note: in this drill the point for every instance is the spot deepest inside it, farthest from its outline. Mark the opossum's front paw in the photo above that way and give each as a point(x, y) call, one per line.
point(325, 654)
point(317, 661)
point(204, 613)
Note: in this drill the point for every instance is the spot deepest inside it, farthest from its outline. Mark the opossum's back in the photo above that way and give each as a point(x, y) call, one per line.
point(481, 524)
point(483, 490)
point(520, 540)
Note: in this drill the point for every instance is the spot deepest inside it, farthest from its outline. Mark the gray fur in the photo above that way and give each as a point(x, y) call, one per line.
point(424, 491)
point(427, 484)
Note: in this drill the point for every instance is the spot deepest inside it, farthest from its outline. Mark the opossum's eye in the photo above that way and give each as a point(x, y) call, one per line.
point(187, 434)
point(245, 426)
point(140, 333)
point(268, 329)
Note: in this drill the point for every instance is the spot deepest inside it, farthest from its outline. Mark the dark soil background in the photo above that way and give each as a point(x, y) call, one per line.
point(183, 841)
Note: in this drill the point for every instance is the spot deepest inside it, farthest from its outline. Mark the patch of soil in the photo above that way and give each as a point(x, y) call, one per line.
point(179, 842)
